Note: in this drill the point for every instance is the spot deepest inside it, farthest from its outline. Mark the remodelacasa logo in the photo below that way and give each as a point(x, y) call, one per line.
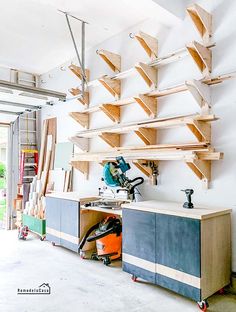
point(43, 289)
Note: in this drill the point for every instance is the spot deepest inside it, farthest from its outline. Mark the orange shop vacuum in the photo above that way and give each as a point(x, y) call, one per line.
point(108, 237)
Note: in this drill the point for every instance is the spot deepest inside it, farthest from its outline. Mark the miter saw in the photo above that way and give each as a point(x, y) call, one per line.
point(114, 176)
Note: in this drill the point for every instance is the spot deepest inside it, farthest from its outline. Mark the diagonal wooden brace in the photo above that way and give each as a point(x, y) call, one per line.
point(81, 118)
point(202, 21)
point(113, 60)
point(112, 111)
point(149, 44)
point(201, 130)
point(202, 57)
point(148, 73)
point(202, 169)
point(82, 166)
point(112, 139)
point(144, 166)
point(201, 93)
point(78, 72)
point(84, 99)
point(147, 135)
point(113, 86)
point(81, 143)
point(148, 104)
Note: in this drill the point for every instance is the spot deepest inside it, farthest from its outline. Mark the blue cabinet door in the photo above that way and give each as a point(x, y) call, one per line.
point(139, 242)
point(69, 224)
point(53, 219)
point(178, 246)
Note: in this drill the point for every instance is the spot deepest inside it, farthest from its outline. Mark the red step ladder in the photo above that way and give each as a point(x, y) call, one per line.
point(28, 166)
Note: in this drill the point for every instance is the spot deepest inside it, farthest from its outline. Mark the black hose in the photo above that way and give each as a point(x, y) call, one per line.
point(135, 185)
point(83, 241)
point(103, 234)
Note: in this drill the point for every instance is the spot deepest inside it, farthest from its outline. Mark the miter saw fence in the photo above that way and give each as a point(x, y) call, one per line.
point(114, 176)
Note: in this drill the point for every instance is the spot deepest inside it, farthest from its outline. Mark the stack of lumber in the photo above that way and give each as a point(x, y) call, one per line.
point(35, 206)
point(48, 179)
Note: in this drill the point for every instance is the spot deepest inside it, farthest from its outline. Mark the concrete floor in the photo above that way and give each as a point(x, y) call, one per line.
point(80, 285)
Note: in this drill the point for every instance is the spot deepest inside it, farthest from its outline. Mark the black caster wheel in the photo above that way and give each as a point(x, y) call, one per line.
point(134, 278)
point(106, 261)
point(53, 244)
point(42, 238)
point(203, 305)
point(94, 257)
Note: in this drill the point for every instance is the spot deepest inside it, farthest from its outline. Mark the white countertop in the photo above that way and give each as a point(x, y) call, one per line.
point(176, 209)
point(75, 196)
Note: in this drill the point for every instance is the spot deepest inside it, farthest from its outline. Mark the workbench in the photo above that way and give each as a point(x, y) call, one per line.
point(68, 220)
point(185, 250)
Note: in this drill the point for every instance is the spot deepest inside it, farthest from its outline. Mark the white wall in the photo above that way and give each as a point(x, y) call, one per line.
point(174, 175)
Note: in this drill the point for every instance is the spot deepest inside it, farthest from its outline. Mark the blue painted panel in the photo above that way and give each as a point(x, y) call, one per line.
point(178, 287)
point(70, 217)
point(52, 238)
point(144, 274)
point(139, 238)
point(53, 211)
point(178, 243)
point(69, 245)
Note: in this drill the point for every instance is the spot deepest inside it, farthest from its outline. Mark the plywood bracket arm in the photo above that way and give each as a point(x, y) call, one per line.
point(78, 72)
point(146, 166)
point(201, 130)
point(202, 169)
point(83, 98)
point(148, 73)
point(81, 143)
point(201, 93)
point(81, 118)
point(202, 21)
point(113, 86)
point(112, 139)
point(148, 104)
point(149, 44)
point(113, 60)
point(82, 166)
point(202, 57)
point(112, 111)
point(147, 135)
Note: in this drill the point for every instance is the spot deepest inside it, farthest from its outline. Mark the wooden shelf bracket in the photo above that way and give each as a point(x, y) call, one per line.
point(113, 60)
point(112, 85)
point(82, 166)
point(77, 71)
point(81, 143)
point(84, 99)
point(148, 104)
point(202, 57)
point(201, 93)
point(149, 44)
point(81, 118)
point(202, 169)
point(147, 135)
point(112, 111)
point(112, 139)
point(148, 73)
point(145, 166)
point(201, 130)
point(202, 21)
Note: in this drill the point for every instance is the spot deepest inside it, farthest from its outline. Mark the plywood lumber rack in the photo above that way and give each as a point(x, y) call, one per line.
point(148, 101)
point(146, 130)
point(197, 155)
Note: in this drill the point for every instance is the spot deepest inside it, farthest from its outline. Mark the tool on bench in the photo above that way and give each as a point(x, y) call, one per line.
point(188, 204)
point(108, 237)
point(114, 176)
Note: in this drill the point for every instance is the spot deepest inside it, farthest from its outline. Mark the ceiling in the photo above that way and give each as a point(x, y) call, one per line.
point(35, 34)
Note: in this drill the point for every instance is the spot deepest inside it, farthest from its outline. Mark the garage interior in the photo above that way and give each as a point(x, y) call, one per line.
point(117, 160)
